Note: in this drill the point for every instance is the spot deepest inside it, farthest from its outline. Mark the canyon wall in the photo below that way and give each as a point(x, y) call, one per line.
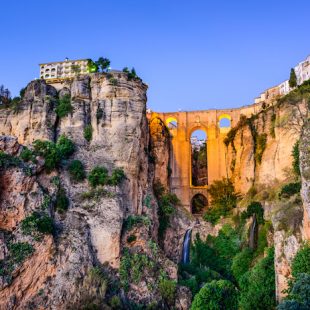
point(62, 271)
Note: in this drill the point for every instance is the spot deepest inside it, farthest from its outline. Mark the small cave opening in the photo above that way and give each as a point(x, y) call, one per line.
point(199, 160)
point(199, 204)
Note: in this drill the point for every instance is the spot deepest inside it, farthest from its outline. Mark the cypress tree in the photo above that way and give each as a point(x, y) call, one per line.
point(293, 79)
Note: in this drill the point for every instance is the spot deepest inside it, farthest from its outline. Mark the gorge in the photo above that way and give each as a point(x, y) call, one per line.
point(96, 208)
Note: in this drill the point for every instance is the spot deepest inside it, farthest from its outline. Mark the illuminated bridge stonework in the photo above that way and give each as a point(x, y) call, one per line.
point(182, 125)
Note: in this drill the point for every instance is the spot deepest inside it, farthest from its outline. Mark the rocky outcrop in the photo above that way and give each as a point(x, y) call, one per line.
point(160, 150)
point(305, 177)
point(91, 232)
point(259, 152)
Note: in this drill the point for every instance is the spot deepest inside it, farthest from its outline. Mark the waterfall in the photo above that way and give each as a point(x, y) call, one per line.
point(253, 233)
point(186, 247)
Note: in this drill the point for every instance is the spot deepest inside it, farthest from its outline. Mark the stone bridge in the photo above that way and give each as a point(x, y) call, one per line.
point(184, 124)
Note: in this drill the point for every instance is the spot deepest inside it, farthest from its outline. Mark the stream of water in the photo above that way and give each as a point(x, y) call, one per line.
point(186, 247)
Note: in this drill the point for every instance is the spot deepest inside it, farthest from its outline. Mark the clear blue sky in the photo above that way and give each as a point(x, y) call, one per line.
point(196, 54)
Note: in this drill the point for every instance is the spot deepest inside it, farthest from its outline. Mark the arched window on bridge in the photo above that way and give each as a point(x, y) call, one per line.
point(225, 121)
point(198, 204)
point(172, 125)
point(199, 160)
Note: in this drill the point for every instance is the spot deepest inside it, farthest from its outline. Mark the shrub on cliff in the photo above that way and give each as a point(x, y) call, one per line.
point(167, 290)
point(295, 154)
point(62, 201)
point(220, 295)
point(36, 224)
point(27, 155)
point(289, 190)
point(54, 153)
point(117, 176)
point(76, 170)
point(166, 206)
point(88, 132)
point(223, 200)
point(301, 261)
point(65, 147)
point(98, 176)
point(64, 106)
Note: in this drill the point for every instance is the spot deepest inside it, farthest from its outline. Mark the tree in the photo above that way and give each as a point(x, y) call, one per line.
point(299, 297)
point(293, 79)
point(258, 285)
point(301, 261)
point(92, 67)
point(216, 295)
point(5, 95)
point(103, 63)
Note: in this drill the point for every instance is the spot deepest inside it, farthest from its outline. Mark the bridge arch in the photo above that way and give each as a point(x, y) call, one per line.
point(224, 121)
point(199, 203)
point(198, 157)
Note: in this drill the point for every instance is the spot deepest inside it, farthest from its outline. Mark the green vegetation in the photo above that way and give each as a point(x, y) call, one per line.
point(132, 268)
point(166, 207)
point(167, 290)
point(295, 154)
point(299, 287)
point(290, 189)
point(261, 141)
point(62, 201)
point(220, 295)
point(92, 67)
point(301, 261)
point(76, 170)
point(299, 295)
point(223, 200)
point(7, 160)
point(37, 224)
point(131, 74)
point(102, 64)
point(115, 302)
point(96, 193)
point(98, 176)
point(293, 79)
point(27, 155)
point(254, 207)
point(273, 125)
point(241, 263)
point(64, 106)
point(117, 176)
point(227, 257)
point(257, 286)
point(54, 153)
point(131, 238)
point(18, 253)
point(135, 220)
point(88, 132)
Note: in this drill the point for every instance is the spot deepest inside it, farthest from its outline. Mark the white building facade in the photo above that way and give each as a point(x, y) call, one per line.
point(63, 69)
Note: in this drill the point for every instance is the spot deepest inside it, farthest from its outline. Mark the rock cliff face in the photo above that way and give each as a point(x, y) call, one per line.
point(305, 177)
point(58, 273)
point(260, 151)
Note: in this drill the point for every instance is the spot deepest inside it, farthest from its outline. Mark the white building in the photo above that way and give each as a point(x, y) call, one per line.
point(54, 71)
point(284, 88)
point(302, 71)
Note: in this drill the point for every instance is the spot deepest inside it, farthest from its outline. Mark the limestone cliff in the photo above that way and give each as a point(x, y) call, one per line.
point(76, 264)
